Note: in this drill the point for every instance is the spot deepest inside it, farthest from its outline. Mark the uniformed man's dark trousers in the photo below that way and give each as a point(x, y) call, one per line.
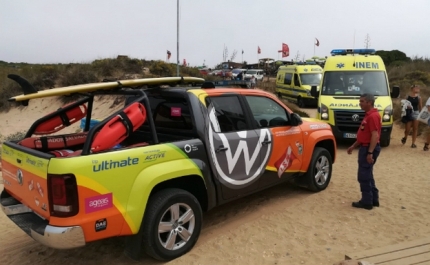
point(369, 192)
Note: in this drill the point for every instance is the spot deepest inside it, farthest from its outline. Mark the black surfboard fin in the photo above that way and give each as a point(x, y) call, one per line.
point(27, 88)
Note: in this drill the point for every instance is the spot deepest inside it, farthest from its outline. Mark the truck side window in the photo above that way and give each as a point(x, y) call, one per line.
point(287, 79)
point(229, 113)
point(267, 112)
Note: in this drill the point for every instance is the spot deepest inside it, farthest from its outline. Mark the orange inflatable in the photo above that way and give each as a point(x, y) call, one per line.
point(61, 121)
point(54, 142)
point(119, 127)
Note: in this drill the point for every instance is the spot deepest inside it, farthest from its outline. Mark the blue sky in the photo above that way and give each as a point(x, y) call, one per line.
point(48, 31)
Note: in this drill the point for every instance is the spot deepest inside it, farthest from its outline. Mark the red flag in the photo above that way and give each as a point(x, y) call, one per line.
point(185, 62)
point(259, 50)
point(317, 42)
point(285, 50)
point(168, 54)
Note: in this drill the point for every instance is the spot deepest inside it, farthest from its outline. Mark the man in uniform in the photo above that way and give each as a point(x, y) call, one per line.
point(368, 140)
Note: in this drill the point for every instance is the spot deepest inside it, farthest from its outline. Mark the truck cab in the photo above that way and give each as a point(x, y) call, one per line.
point(347, 74)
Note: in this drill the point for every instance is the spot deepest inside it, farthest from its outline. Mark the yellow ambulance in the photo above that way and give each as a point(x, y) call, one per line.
point(349, 73)
point(294, 82)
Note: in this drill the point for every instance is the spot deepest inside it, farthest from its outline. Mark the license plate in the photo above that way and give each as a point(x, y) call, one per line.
point(349, 135)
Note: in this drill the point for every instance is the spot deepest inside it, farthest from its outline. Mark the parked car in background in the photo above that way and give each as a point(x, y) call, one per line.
point(236, 71)
point(257, 73)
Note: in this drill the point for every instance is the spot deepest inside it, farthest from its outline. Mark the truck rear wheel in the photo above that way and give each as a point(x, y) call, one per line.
point(319, 171)
point(172, 224)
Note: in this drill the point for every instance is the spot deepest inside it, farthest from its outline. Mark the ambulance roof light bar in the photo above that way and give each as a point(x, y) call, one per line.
point(352, 51)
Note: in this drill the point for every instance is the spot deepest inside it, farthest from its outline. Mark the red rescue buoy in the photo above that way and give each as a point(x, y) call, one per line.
point(61, 121)
point(119, 127)
point(54, 142)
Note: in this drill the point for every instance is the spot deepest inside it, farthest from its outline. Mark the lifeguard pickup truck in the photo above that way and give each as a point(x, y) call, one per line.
point(149, 170)
point(347, 74)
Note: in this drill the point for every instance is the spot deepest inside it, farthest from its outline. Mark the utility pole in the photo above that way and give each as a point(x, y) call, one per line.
point(367, 41)
point(177, 38)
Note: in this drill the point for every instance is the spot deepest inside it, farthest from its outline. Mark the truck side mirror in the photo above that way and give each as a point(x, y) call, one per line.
point(296, 120)
point(314, 92)
point(395, 93)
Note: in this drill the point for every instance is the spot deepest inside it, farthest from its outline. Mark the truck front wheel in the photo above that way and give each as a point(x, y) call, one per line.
point(319, 172)
point(172, 224)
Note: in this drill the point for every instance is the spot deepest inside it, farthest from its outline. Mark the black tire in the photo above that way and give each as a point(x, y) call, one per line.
point(156, 211)
point(310, 178)
point(300, 102)
point(385, 142)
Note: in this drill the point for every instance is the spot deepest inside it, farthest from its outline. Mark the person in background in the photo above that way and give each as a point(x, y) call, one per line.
point(426, 145)
point(253, 81)
point(239, 76)
point(368, 136)
point(416, 105)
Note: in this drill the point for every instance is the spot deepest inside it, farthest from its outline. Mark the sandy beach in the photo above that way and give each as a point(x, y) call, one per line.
point(281, 225)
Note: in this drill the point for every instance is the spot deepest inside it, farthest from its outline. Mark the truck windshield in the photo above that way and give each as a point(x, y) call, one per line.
point(355, 83)
point(310, 79)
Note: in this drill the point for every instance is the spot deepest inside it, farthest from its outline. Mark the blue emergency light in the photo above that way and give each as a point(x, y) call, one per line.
point(352, 51)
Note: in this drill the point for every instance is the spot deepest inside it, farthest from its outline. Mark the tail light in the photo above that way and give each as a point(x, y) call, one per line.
point(63, 195)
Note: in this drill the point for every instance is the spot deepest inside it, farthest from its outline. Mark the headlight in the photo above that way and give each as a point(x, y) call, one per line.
point(324, 112)
point(388, 111)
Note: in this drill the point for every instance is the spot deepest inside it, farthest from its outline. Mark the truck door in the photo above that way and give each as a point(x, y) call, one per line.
point(234, 147)
point(285, 158)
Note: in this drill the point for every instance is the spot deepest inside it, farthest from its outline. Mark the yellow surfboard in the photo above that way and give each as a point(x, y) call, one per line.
point(59, 91)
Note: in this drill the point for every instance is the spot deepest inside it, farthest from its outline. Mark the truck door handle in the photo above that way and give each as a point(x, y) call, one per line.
point(266, 142)
point(221, 148)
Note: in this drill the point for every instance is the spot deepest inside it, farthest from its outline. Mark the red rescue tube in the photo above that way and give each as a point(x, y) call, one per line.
point(56, 123)
point(54, 142)
point(119, 127)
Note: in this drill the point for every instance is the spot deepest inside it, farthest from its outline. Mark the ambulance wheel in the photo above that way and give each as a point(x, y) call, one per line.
point(172, 224)
point(319, 171)
point(300, 102)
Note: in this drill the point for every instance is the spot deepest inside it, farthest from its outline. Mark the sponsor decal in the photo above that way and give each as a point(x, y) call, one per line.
point(239, 157)
point(30, 185)
point(175, 112)
point(19, 176)
point(154, 156)
point(291, 131)
point(285, 161)
point(39, 189)
point(299, 148)
point(351, 105)
point(44, 206)
point(36, 201)
point(188, 148)
point(112, 164)
point(100, 225)
point(319, 126)
point(98, 203)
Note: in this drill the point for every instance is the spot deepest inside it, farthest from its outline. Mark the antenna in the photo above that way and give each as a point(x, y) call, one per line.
point(367, 41)
point(353, 43)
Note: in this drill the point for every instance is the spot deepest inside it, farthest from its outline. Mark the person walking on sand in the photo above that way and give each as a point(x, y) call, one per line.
point(368, 136)
point(426, 145)
point(416, 105)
